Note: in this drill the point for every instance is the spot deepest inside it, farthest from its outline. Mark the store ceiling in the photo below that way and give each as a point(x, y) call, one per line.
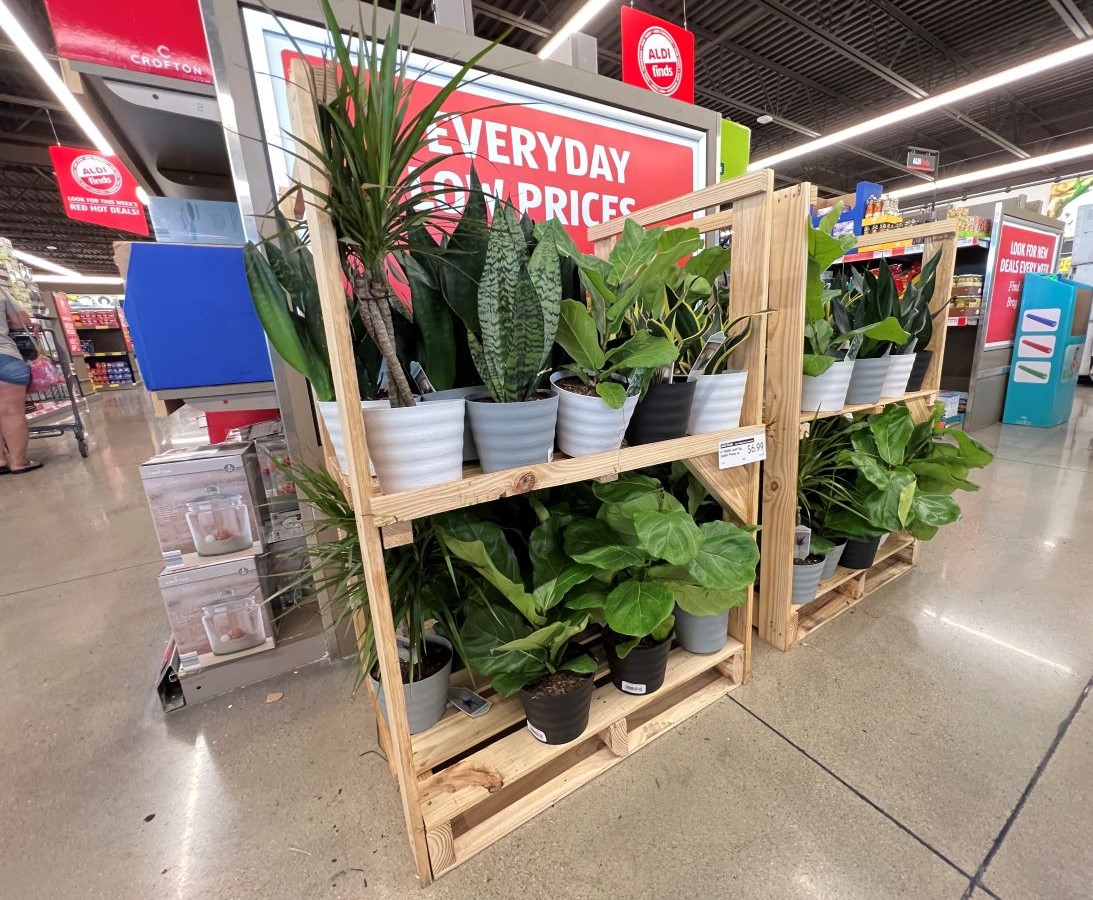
point(814, 65)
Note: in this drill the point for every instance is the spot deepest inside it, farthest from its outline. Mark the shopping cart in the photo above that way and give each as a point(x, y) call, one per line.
point(49, 411)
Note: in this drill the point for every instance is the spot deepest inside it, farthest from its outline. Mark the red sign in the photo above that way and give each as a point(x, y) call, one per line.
point(1020, 250)
point(551, 166)
point(163, 38)
point(98, 189)
point(68, 324)
point(657, 55)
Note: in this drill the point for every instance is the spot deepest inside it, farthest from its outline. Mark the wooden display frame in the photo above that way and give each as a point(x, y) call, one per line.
point(465, 783)
point(780, 623)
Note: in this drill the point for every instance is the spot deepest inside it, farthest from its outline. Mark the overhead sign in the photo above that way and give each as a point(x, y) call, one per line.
point(921, 160)
point(164, 38)
point(556, 156)
point(1019, 250)
point(97, 188)
point(657, 55)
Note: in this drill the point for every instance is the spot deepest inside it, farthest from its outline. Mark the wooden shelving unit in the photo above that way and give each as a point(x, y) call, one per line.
point(465, 782)
point(780, 623)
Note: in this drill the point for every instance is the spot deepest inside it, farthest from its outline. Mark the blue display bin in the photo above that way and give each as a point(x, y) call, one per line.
point(1051, 326)
point(191, 317)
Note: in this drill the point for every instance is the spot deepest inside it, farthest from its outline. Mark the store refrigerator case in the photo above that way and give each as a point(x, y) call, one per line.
point(1051, 327)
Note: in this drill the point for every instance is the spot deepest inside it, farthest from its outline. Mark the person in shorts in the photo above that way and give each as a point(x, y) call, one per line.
point(14, 378)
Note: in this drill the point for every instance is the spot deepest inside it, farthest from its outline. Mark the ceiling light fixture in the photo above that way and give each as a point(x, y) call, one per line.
point(1018, 165)
point(580, 18)
point(1069, 54)
point(37, 262)
point(21, 40)
point(79, 279)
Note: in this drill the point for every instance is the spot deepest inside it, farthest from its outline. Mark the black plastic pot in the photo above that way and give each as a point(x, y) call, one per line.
point(860, 554)
point(642, 671)
point(918, 370)
point(662, 413)
point(560, 719)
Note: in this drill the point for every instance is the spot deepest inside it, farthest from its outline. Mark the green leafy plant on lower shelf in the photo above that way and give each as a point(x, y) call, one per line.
point(942, 458)
point(649, 554)
point(516, 630)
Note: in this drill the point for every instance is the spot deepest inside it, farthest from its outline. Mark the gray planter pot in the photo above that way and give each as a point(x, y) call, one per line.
point(425, 699)
point(831, 561)
point(469, 451)
point(702, 634)
point(806, 579)
point(509, 435)
point(867, 382)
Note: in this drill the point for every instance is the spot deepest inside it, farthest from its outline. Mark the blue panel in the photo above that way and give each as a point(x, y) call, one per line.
point(191, 317)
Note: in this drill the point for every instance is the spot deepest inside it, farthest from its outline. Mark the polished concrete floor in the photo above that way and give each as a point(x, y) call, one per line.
point(932, 743)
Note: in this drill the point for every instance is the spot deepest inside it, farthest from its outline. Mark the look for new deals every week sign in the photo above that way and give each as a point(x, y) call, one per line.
point(1021, 250)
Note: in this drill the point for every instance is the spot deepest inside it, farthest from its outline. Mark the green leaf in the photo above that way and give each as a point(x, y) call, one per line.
point(709, 263)
point(488, 627)
point(727, 558)
point(635, 608)
point(815, 364)
point(577, 335)
point(703, 601)
point(628, 486)
point(643, 351)
point(671, 536)
point(594, 543)
point(587, 599)
point(934, 509)
point(892, 430)
point(634, 249)
point(508, 684)
point(582, 665)
point(612, 393)
point(435, 326)
point(869, 467)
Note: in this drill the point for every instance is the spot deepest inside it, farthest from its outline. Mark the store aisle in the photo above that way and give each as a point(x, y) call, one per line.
point(903, 750)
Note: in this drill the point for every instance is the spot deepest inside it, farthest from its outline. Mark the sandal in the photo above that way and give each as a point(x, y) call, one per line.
point(29, 467)
point(4, 470)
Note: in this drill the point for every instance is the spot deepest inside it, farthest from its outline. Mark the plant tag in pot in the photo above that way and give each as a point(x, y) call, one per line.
point(709, 351)
point(853, 348)
point(536, 733)
point(802, 537)
point(631, 688)
point(421, 379)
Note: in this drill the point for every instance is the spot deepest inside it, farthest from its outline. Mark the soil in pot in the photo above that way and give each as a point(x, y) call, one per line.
point(642, 670)
point(557, 706)
point(575, 386)
point(662, 414)
point(860, 554)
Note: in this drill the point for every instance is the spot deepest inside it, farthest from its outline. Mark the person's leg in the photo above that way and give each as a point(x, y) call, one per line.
point(13, 423)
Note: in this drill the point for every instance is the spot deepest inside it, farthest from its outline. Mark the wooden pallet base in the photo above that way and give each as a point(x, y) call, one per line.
point(471, 801)
point(847, 587)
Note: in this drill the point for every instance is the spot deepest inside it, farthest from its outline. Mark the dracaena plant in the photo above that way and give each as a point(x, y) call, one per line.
point(828, 324)
point(649, 554)
point(518, 631)
point(371, 152)
point(823, 483)
point(594, 330)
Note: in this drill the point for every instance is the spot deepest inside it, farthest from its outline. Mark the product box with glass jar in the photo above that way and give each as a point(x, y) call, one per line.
point(217, 609)
point(203, 501)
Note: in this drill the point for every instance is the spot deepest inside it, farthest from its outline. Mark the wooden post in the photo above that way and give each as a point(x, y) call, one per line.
point(939, 306)
point(328, 270)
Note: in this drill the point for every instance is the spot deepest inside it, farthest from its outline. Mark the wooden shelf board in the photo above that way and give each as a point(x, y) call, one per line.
point(807, 417)
point(461, 787)
point(476, 487)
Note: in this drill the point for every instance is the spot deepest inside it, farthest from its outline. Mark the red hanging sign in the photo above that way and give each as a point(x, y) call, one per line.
point(164, 38)
point(1020, 250)
point(68, 324)
point(657, 55)
point(97, 188)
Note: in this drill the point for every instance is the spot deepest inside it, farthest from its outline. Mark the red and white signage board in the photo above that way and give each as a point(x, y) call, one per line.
point(554, 155)
point(68, 324)
point(1019, 249)
point(657, 55)
point(164, 37)
point(97, 188)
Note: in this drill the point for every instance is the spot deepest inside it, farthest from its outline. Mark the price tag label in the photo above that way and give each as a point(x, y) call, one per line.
point(741, 451)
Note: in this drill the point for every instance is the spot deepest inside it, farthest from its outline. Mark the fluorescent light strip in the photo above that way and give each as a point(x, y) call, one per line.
point(78, 279)
point(20, 39)
point(581, 17)
point(1069, 54)
point(1018, 165)
point(31, 260)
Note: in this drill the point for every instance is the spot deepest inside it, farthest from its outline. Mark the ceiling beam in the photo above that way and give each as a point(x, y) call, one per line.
point(1073, 18)
point(501, 15)
point(31, 101)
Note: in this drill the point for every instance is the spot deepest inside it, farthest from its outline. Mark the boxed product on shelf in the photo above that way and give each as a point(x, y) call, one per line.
point(206, 502)
point(278, 568)
point(217, 609)
point(955, 403)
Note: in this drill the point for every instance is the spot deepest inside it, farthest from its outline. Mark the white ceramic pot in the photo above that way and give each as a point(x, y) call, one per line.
point(899, 373)
point(717, 402)
point(587, 425)
point(827, 392)
point(328, 409)
point(415, 446)
point(469, 450)
point(867, 382)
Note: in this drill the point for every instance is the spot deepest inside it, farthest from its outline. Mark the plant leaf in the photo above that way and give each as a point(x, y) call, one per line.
point(671, 536)
point(727, 558)
point(635, 608)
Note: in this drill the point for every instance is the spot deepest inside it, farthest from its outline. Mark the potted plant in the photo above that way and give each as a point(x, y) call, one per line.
point(913, 311)
point(654, 563)
point(598, 390)
point(371, 152)
point(517, 632)
point(425, 584)
point(941, 459)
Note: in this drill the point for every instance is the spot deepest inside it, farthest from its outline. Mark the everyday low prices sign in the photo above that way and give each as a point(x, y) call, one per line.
point(657, 55)
point(97, 188)
point(1020, 249)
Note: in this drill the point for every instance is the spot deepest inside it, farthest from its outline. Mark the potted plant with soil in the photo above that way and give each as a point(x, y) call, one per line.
point(600, 388)
point(517, 632)
point(918, 321)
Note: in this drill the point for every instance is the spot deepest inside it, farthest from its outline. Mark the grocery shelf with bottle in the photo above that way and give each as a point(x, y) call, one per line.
point(105, 360)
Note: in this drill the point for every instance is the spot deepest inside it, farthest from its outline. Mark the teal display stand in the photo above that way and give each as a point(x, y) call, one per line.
point(1051, 326)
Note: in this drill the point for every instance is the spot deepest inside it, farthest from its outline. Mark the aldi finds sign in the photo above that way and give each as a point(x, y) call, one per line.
point(920, 160)
point(97, 188)
point(657, 55)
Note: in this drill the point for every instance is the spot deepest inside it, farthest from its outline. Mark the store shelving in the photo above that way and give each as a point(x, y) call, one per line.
point(907, 249)
point(110, 359)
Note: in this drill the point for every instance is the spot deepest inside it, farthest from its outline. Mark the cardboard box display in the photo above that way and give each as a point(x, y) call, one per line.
point(180, 476)
point(279, 567)
point(188, 590)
